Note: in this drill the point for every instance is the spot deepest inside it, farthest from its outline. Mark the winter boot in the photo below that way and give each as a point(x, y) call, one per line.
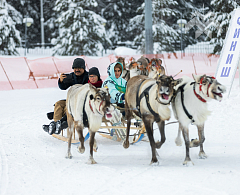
point(60, 126)
point(52, 128)
point(50, 115)
point(45, 128)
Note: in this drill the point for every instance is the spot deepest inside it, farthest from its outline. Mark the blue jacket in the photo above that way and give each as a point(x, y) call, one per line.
point(111, 82)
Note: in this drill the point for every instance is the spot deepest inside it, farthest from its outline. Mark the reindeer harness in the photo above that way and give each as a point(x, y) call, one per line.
point(197, 95)
point(145, 94)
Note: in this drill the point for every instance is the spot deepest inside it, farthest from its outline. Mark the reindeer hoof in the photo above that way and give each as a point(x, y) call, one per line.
point(158, 144)
point(188, 163)
point(194, 143)
point(91, 161)
point(126, 144)
point(202, 155)
point(154, 163)
point(95, 149)
point(81, 150)
point(178, 142)
point(68, 156)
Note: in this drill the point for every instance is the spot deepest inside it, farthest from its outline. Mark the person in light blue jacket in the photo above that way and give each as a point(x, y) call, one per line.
point(115, 83)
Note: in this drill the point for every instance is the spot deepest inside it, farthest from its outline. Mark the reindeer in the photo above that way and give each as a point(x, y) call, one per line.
point(155, 69)
point(125, 73)
point(149, 99)
point(86, 106)
point(190, 106)
point(142, 65)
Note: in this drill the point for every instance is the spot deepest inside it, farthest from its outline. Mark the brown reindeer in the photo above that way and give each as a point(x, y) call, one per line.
point(155, 68)
point(86, 106)
point(142, 65)
point(125, 73)
point(149, 99)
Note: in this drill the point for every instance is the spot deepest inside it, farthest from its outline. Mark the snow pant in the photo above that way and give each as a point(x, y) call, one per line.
point(59, 110)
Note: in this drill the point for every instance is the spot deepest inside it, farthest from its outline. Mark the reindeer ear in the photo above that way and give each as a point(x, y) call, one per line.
point(91, 97)
point(197, 77)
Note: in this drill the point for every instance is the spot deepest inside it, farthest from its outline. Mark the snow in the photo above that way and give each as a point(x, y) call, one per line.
point(125, 51)
point(33, 162)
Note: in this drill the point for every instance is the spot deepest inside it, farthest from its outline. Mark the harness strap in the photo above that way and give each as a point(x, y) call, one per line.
point(184, 108)
point(85, 118)
point(138, 99)
point(145, 94)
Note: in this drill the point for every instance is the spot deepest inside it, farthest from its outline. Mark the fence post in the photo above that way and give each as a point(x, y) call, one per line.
point(31, 72)
point(6, 75)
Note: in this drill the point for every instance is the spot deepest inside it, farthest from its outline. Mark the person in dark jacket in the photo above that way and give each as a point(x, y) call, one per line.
point(95, 80)
point(78, 76)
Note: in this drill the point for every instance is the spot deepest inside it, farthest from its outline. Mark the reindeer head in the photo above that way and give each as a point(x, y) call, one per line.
point(166, 88)
point(153, 65)
point(142, 65)
point(122, 61)
point(210, 87)
point(100, 99)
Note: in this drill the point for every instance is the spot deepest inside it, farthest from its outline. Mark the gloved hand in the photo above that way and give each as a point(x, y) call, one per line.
point(123, 97)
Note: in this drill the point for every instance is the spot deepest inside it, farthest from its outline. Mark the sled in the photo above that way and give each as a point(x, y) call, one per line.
point(113, 132)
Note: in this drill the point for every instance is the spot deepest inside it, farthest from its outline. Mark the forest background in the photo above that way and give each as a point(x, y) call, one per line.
point(84, 27)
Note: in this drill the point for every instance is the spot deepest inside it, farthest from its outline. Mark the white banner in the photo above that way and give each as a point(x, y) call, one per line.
point(230, 54)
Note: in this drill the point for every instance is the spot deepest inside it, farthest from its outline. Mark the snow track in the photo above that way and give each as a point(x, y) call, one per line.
point(3, 170)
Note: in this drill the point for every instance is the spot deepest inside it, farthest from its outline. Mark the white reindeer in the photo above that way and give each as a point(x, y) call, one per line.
point(190, 106)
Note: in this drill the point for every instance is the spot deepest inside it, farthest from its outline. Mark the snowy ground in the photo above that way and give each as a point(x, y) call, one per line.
point(33, 162)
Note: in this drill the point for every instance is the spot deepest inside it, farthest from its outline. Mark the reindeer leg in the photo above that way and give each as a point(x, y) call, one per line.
point(196, 142)
point(178, 140)
point(148, 125)
point(201, 154)
point(70, 132)
point(81, 147)
point(161, 126)
point(126, 142)
point(128, 116)
point(91, 143)
point(95, 146)
point(187, 144)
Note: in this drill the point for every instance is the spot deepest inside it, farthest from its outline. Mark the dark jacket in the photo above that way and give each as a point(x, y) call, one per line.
point(83, 79)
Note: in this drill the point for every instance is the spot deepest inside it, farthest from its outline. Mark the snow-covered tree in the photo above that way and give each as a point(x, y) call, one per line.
point(9, 35)
point(164, 34)
point(118, 13)
point(81, 31)
point(221, 18)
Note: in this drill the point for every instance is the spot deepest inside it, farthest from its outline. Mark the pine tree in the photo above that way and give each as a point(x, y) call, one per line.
point(9, 36)
point(31, 9)
point(220, 24)
point(118, 13)
point(165, 33)
point(81, 30)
